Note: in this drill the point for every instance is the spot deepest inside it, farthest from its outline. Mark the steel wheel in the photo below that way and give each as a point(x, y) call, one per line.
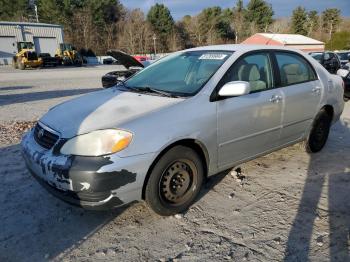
point(177, 181)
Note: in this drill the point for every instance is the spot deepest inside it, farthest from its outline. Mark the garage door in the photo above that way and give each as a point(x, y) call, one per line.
point(7, 46)
point(45, 45)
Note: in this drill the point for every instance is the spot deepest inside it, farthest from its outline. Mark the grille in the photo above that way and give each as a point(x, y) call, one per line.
point(44, 137)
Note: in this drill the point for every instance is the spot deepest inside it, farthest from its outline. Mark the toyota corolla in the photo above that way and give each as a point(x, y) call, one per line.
point(159, 134)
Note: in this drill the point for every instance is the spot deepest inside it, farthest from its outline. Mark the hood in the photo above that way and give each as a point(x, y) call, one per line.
point(102, 109)
point(125, 59)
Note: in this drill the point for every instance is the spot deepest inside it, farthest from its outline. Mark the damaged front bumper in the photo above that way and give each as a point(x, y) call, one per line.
point(90, 182)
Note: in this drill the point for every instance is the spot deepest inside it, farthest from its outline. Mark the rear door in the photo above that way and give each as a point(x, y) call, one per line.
point(302, 94)
point(249, 125)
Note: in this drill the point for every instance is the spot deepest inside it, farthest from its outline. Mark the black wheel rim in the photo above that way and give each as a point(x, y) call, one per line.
point(178, 182)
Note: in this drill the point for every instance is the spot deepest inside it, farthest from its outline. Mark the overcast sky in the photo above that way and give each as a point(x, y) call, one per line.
point(282, 8)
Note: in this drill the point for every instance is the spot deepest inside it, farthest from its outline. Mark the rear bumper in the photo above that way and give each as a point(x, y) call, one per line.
point(90, 182)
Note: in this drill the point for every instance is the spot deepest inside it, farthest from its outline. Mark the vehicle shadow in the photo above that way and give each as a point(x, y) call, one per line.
point(328, 177)
point(37, 96)
point(9, 88)
point(36, 226)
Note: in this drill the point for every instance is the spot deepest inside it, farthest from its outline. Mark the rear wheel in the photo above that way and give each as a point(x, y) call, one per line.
point(319, 132)
point(175, 181)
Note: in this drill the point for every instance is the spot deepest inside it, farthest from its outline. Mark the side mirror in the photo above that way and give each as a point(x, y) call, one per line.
point(235, 88)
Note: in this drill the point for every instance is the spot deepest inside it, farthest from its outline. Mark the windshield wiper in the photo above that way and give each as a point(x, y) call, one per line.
point(153, 90)
point(121, 83)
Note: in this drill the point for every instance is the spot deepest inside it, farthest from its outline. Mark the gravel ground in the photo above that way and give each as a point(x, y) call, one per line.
point(287, 205)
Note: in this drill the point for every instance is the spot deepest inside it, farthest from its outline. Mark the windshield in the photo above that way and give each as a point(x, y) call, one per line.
point(344, 56)
point(25, 45)
point(66, 47)
point(182, 74)
point(317, 56)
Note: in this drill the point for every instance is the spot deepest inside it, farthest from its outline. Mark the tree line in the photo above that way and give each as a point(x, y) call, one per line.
point(107, 24)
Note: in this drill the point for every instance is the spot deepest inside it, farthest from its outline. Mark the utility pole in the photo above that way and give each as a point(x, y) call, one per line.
point(154, 44)
point(36, 13)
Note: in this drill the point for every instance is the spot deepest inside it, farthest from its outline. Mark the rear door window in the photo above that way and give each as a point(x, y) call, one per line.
point(294, 69)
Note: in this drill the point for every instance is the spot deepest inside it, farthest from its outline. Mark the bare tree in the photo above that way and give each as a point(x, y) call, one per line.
point(135, 33)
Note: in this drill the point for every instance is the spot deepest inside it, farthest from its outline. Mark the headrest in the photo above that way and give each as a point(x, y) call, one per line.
point(249, 72)
point(291, 69)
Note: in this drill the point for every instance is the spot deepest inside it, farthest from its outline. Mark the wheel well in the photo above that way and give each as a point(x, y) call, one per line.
point(329, 109)
point(191, 143)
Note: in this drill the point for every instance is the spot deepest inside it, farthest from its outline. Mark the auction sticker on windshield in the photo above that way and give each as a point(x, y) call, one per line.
point(213, 56)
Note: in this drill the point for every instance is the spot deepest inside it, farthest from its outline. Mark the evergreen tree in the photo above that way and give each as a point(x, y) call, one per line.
point(331, 20)
point(162, 23)
point(299, 21)
point(313, 21)
point(14, 10)
point(260, 13)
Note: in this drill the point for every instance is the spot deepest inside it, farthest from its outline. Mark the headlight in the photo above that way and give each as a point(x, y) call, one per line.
point(97, 143)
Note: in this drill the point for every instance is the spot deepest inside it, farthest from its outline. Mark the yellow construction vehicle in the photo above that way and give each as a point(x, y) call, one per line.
point(26, 56)
point(67, 55)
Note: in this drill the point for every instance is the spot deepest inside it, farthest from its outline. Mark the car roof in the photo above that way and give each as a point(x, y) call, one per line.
point(242, 47)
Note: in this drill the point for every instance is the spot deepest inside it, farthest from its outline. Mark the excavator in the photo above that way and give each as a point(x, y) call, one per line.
point(26, 56)
point(67, 55)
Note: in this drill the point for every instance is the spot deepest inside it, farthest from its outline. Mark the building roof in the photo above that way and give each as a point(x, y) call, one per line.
point(28, 24)
point(292, 39)
point(239, 47)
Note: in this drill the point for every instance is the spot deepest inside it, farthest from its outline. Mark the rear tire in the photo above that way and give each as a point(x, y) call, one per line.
point(175, 181)
point(319, 132)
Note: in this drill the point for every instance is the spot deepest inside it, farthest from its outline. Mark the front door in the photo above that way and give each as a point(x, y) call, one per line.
point(249, 125)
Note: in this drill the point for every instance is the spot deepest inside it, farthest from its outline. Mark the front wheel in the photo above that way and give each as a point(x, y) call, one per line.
point(319, 132)
point(14, 63)
point(175, 181)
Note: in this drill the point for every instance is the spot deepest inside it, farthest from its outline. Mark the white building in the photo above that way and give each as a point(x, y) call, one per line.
point(300, 42)
point(46, 38)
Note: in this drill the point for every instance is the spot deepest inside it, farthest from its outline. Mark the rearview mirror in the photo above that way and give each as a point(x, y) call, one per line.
point(235, 88)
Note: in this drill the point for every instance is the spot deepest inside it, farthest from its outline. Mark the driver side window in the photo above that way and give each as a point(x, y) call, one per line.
point(255, 69)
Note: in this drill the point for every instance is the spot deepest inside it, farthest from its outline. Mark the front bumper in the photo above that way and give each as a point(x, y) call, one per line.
point(90, 182)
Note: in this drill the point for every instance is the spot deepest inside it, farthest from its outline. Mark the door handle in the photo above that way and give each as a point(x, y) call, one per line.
point(316, 90)
point(275, 99)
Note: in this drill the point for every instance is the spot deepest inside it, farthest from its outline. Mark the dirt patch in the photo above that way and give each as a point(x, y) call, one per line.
point(12, 132)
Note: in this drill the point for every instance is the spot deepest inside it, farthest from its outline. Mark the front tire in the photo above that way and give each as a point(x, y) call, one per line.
point(175, 181)
point(20, 64)
point(14, 63)
point(319, 132)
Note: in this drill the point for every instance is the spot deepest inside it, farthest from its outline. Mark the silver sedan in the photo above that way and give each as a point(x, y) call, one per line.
point(158, 135)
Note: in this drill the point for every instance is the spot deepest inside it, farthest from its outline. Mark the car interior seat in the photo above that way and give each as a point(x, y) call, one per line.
point(250, 73)
point(292, 73)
